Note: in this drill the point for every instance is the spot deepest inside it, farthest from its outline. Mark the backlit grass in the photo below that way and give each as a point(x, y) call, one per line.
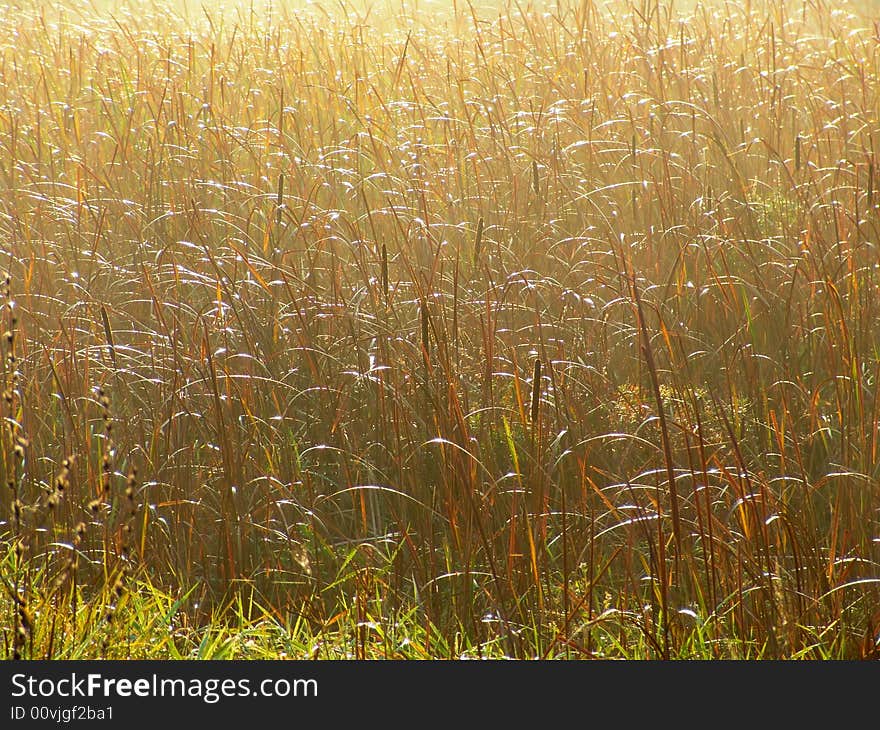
point(440, 329)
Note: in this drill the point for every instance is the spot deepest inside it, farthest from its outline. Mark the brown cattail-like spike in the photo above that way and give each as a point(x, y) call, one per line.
point(426, 345)
point(478, 240)
point(536, 391)
point(108, 333)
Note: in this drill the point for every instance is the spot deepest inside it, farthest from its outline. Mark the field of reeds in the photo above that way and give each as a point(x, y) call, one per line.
point(435, 330)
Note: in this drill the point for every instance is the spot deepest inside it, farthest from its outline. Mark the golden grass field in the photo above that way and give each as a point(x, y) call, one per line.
point(439, 330)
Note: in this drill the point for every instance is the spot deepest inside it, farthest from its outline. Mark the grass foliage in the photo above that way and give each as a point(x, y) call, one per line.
point(440, 330)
